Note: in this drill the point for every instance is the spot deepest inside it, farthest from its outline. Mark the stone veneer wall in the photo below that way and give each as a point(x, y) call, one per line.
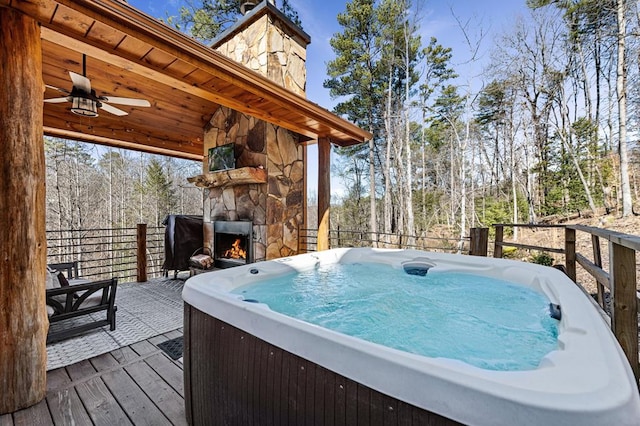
point(269, 47)
point(274, 208)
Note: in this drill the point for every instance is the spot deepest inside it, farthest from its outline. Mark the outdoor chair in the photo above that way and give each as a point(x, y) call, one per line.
point(76, 305)
point(70, 271)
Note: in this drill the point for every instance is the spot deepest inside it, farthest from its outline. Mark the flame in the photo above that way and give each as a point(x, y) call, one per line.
point(236, 252)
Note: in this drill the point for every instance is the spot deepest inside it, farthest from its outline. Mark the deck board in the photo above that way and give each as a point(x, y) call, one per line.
point(36, 415)
point(6, 420)
point(169, 371)
point(137, 384)
point(102, 406)
point(64, 403)
point(139, 408)
point(159, 391)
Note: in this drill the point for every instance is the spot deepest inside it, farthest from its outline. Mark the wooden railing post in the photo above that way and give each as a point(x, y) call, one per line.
point(497, 245)
point(597, 259)
point(141, 255)
point(570, 252)
point(479, 241)
point(624, 311)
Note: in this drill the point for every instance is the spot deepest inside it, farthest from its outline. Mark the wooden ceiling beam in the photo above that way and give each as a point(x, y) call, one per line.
point(117, 143)
point(128, 134)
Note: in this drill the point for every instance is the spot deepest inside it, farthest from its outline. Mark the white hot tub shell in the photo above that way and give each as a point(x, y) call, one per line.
point(586, 381)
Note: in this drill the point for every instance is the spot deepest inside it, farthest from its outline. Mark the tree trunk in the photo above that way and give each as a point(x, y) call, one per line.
point(410, 222)
point(565, 136)
point(621, 89)
point(387, 160)
point(23, 318)
point(512, 171)
point(463, 184)
point(373, 223)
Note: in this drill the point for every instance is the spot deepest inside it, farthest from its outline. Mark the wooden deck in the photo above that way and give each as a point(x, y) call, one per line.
point(134, 385)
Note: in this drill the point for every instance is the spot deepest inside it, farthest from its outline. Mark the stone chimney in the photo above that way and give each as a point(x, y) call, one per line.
point(266, 41)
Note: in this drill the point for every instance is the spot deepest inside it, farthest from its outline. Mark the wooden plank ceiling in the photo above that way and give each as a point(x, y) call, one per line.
point(130, 54)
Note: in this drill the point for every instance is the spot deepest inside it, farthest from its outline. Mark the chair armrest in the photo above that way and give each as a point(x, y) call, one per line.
point(70, 298)
point(81, 300)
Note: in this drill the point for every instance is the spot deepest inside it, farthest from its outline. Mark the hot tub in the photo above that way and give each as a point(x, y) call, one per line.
point(246, 364)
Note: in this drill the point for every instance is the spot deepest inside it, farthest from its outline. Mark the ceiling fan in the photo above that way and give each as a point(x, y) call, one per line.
point(84, 100)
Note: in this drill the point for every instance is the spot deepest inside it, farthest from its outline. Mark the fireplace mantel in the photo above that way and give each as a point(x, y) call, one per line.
point(225, 178)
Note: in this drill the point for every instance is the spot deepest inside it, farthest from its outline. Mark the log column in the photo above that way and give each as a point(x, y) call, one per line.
point(324, 192)
point(23, 318)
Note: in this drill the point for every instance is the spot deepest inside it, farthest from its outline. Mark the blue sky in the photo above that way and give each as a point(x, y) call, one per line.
point(438, 19)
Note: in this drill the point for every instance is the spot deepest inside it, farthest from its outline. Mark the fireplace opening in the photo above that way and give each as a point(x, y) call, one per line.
point(232, 243)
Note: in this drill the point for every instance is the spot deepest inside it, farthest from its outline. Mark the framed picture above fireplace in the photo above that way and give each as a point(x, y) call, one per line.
point(222, 158)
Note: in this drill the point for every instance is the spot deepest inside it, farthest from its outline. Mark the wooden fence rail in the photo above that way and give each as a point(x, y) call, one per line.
point(476, 243)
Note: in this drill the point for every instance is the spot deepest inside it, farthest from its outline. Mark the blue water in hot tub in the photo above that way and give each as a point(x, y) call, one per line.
point(489, 323)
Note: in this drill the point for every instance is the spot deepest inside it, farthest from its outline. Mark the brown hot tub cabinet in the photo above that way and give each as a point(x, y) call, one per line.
point(234, 378)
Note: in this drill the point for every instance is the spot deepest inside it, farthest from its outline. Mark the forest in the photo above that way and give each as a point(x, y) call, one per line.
point(103, 188)
point(550, 130)
point(547, 128)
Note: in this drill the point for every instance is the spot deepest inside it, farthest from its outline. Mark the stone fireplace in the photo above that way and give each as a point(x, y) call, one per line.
point(274, 205)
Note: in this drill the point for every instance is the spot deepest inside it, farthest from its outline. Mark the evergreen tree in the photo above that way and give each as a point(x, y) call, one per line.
point(206, 19)
point(355, 77)
point(159, 186)
point(437, 72)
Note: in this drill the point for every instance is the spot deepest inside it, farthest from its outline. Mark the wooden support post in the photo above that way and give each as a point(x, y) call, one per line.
point(23, 316)
point(305, 195)
point(624, 312)
point(324, 192)
point(479, 241)
point(597, 260)
point(497, 246)
point(141, 256)
point(570, 252)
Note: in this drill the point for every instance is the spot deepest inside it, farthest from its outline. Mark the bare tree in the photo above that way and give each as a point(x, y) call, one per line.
point(621, 90)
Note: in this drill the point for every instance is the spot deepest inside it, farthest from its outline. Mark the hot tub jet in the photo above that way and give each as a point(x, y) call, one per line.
point(418, 266)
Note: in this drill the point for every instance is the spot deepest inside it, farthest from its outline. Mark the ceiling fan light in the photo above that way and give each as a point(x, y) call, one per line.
point(83, 106)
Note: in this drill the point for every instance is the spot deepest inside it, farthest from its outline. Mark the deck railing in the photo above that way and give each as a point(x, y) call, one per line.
point(620, 280)
point(349, 238)
point(106, 253)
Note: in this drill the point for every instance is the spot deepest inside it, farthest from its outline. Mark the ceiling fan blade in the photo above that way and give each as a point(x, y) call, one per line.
point(56, 100)
point(113, 110)
point(80, 82)
point(57, 88)
point(126, 101)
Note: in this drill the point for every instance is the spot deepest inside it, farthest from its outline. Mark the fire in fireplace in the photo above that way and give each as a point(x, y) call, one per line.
point(236, 251)
point(232, 244)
